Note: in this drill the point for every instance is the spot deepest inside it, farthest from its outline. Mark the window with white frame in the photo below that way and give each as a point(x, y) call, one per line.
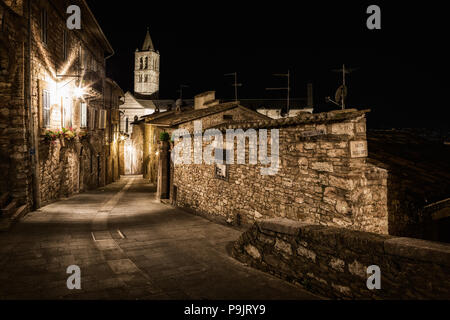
point(83, 115)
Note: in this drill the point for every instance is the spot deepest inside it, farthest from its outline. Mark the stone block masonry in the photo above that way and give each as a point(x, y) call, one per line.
point(323, 178)
point(42, 64)
point(333, 261)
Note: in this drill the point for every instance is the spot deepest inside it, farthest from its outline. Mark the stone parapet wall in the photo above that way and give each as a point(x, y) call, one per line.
point(321, 179)
point(333, 261)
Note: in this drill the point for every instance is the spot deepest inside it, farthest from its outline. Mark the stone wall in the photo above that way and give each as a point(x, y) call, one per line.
point(61, 169)
point(333, 261)
point(419, 177)
point(15, 173)
point(67, 167)
point(321, 178)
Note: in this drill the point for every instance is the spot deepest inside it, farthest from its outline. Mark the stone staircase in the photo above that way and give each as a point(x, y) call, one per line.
point(10, 212)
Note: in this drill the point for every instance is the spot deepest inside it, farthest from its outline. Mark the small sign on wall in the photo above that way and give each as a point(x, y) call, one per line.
point(358, 149)
point(221, 171)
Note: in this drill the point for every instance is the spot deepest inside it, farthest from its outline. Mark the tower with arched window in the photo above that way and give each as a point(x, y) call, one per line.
point(146, 73)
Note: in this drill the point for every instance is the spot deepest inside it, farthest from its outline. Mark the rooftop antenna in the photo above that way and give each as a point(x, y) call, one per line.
point(235, 84)
point(342, 91)
point(288, 88)
point(181, 90)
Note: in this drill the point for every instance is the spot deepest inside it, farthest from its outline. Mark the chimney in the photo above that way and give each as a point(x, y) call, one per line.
point(205, 100)
point(178, 104)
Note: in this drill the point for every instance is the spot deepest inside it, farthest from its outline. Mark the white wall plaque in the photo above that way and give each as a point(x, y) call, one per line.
point(358, 149)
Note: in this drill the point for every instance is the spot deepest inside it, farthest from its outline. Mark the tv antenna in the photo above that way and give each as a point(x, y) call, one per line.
point(288, 88)
point(342, 91)
point(235, 84)
point(181, 90)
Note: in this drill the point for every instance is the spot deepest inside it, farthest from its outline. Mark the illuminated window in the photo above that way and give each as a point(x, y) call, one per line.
point(44, 25)
point(83, 116)
point(46, 98)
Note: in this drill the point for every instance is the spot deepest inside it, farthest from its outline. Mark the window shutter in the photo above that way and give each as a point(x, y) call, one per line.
point(102, 119)
point(99, 119)
point(91, 118)
point(83, 116)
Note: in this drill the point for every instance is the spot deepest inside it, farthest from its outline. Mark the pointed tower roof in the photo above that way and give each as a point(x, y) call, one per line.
point(148, 44)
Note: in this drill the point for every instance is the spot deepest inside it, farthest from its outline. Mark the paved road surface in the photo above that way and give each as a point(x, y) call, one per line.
point(128, 246)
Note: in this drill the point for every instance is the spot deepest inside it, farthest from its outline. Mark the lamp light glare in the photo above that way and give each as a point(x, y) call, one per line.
point(79, 92)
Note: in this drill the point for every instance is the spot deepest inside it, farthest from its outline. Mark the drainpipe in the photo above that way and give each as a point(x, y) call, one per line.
point(34, 155)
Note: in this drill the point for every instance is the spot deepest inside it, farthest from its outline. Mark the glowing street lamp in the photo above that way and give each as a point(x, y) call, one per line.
point(79, 92)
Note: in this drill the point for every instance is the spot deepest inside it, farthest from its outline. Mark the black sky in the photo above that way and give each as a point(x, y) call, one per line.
point(402, 68)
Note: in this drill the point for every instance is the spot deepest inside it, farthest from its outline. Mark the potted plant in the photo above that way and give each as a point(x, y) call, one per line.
point(164, 136)
point(83, 135)
point(51, 136)
point(68, 135)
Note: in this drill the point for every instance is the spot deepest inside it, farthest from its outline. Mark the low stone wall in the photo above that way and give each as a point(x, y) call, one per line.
point(333, 261)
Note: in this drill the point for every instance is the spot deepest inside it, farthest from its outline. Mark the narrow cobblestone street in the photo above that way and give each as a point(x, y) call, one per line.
point(128, 246)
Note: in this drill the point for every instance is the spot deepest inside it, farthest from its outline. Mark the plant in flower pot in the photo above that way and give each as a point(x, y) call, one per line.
point(164, 136)
point(67, 135)
point(51, 136)
point(164, 142)
point(83, 135)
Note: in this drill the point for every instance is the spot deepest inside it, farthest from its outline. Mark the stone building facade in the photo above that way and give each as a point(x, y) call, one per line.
point(325, 177)
point(206, 109)
point(58, 106)
point(113, 100)
point(320, 178)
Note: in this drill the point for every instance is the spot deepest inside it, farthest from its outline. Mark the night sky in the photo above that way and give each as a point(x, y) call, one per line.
point(402, 69)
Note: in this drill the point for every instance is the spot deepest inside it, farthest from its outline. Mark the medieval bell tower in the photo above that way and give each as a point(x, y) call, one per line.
point(146, 70)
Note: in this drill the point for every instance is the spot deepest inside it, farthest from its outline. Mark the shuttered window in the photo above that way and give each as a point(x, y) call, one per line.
point(92, 112)
point(102, 119)
point(83, 115)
